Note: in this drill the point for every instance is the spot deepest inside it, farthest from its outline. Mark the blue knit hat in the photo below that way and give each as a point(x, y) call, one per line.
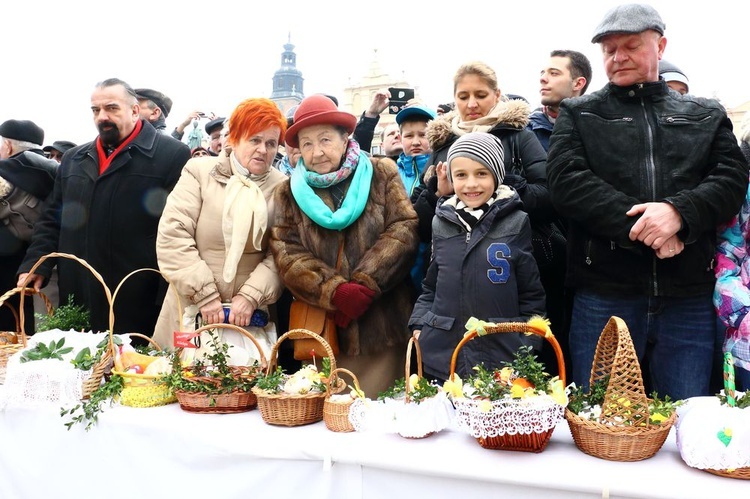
point(482, 147)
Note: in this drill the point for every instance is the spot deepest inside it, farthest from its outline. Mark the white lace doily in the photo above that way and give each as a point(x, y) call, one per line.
point(712, 436)
point(410, 420)
point(48, 381)
point(508, 416)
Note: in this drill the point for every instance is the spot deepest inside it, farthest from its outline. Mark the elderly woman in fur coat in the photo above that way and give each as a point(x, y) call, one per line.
point(214, 233)
point(337, 202)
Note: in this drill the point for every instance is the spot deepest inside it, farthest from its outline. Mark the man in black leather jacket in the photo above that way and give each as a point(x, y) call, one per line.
point(644, 175)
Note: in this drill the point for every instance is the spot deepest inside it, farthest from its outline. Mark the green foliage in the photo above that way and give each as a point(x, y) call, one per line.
point(55, 350)
point(65, 318)
point(88, 411)
point(397, 390)
point(742, 402)
point(496, 384)
point(212, 374)
point(578, 400)
point(528, 367)
point(273, 382)
point(422, 390)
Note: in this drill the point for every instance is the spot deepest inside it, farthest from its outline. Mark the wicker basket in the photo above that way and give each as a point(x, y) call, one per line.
point(287, 409)
point(521, 436)
point(15, 341)
point(97, 372)
point(336, 414)
point(615, 357)
point(222, 403)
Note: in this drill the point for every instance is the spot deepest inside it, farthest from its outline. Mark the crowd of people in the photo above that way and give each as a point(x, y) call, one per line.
point(627, 201)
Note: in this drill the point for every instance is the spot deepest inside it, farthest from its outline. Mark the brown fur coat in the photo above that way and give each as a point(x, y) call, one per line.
point(379, 250)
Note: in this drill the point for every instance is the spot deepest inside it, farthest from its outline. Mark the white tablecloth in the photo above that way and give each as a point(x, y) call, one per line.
point(165, 452)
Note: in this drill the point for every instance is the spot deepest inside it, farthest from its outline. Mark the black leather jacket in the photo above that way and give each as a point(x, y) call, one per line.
point(621, 146)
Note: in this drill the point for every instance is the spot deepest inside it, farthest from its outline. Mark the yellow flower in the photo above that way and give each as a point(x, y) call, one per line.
point(485, 405)
point(413, 381)
point(188, 374)
point(625, 402)
point(557, 391)
point(356, 393)
point(505, 374)
point(517, 392)
point(657, 418)
point(454, 387)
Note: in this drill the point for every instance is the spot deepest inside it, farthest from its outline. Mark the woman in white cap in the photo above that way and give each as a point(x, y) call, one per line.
point(482, 264)
point(344, 239)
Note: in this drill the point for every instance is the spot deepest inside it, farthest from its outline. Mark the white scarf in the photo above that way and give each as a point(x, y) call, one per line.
point(245, 210)
point(483, 124)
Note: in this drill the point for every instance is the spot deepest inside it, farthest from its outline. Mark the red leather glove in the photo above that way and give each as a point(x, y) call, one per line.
point(352, 299)
point(341, 319)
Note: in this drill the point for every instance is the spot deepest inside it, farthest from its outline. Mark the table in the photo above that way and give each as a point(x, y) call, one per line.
point(165, 452)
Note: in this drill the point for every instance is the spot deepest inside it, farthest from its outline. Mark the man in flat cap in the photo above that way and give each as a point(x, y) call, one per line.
point(644, 177)
point(155, 107)
point(213, 129)
point(105, 208)
point(26, 180)
point(57, 149)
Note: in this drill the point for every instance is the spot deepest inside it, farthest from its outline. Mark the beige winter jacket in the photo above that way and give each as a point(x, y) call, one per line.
point(190, 245)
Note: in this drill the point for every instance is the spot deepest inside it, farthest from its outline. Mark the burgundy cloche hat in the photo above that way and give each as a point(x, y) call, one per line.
point(318, 110)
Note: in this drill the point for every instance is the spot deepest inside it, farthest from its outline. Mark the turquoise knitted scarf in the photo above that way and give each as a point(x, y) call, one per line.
point(354, 202)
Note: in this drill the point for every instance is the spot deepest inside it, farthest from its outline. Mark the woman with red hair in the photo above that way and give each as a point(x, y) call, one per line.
point(213, 235)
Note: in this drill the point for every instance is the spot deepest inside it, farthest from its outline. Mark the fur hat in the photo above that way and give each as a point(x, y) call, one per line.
point(23, 130)
point(629, 18)
point(162, 101)
point(670, 72)
point(482, 147)
point(318, 109)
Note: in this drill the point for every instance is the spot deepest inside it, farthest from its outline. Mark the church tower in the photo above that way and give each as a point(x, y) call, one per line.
point(287, 80)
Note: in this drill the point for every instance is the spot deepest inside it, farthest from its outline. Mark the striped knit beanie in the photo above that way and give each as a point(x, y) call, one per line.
point(482, 147)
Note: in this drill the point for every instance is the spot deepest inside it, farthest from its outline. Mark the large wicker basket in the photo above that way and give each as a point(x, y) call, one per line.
point(293, 409)
point(511, 424)
point(625, 399)
point(336, 413)
point(97, 373)
point(223, 403)
point(14, 341)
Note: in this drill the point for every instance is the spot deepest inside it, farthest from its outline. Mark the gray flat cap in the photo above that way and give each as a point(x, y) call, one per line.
point(630, 18)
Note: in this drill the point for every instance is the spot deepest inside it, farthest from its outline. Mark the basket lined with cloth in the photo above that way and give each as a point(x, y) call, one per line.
point(14, 341)
point(94, 379)
point(624, 429)
point(713, 433)
point(295, 409)
point(521, 422)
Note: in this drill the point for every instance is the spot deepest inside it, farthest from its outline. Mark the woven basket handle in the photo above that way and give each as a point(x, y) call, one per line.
point(335, 375)
point(299, 334)
point(114, 297)
point(413, 342)
point(615, 357)
point(28, 291)
point(513, 327)
point(83, 262)
point(263, 360)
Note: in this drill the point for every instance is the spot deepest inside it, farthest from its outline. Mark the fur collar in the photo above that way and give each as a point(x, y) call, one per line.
point(513, 114)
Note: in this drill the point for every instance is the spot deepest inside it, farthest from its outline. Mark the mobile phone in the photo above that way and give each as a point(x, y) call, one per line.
point(399, 98)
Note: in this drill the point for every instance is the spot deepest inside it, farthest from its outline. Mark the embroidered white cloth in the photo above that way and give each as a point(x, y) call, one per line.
point(509, 416)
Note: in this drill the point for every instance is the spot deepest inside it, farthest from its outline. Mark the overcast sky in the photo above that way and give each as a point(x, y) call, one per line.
point(213, 54)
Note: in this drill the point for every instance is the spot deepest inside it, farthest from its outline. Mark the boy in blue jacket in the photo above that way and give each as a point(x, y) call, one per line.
point(482, 264)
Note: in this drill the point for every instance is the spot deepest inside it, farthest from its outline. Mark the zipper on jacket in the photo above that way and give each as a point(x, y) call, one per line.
point(468, 237)
point(651, 170)
point(680, 119)
point(626, 119)
point(588, 252)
